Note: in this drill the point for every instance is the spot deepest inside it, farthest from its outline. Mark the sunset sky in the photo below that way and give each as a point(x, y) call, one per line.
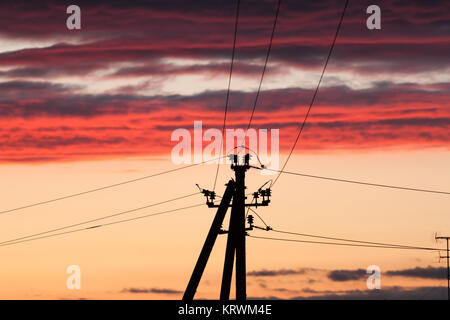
point(82, 109)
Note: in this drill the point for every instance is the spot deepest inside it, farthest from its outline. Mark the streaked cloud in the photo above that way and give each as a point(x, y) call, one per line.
point(274, 273)
point(347, 275)
point(60, 90)
point(429, 272)
point(422, 273)
point(151, 290)
point(389, 293)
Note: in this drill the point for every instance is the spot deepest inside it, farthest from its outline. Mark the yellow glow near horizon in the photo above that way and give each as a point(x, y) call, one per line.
point(160, 252)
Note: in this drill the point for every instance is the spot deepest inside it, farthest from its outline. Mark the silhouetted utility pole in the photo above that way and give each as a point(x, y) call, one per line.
point(448, 267)
point(234, 196)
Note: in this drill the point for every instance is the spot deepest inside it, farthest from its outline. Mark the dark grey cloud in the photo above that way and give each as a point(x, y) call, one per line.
point(25, 86)
point(423, 273)
point(264, 298)
point(285, 290)
point(418, 272)
point(151, 290)
point(343, 275)
point(390, 293)
point(206, 24)
point(45, 71)
point(53, 141)
point(273, 273)
point(347, 275)
point(167, 69)
point(29, 98)
point(278, 272)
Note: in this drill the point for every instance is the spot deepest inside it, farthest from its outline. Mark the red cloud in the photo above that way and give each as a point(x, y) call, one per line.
point(43, 119)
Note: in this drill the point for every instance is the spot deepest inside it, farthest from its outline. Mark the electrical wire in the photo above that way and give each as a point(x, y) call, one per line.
point(347, 240)
point(360, 182)
point(105, 187)
point(98, 219)
point(101, 225)
point(315, 92)
point(264, 69)
point(345, 244)
point(254, 211)
point(228, 89)
point(338, 239)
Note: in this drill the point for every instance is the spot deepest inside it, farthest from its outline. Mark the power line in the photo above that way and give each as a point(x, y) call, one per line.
point(106, 187)
point(97, 219)
point(345, 244)
point(101, 225)
point(262, 220)
point(264, 68)
point(361, 182)
point(351, 240)
point(340, 239)
point(315, 92)
point(228, 89)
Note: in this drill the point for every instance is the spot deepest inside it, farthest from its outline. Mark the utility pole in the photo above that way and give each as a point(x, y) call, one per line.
point(233, 197)
point(236, 237)
point(448, 267)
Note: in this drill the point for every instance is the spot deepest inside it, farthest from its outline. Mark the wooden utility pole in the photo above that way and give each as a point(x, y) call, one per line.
point(233, 197)
point(236, 238)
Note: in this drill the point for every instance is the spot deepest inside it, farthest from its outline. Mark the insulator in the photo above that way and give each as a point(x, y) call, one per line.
point(250, 219)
